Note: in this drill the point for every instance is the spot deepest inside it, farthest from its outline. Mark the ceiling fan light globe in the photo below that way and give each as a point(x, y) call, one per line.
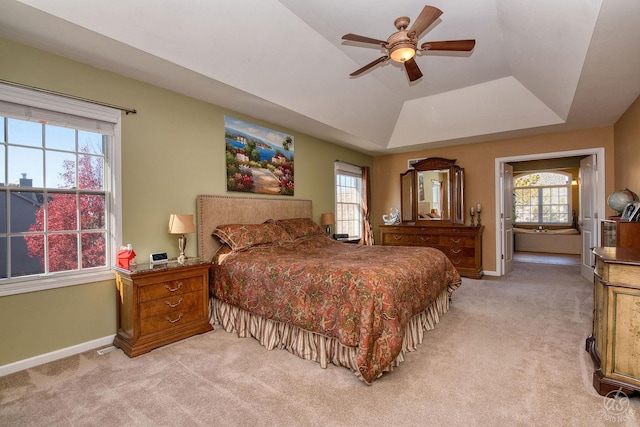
point(402, 53)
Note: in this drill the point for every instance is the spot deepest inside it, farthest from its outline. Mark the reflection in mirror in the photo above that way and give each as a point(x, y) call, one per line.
point(433, 191)
point(433, 195)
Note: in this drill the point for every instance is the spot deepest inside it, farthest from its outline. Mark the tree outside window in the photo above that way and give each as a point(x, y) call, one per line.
point(53, 219)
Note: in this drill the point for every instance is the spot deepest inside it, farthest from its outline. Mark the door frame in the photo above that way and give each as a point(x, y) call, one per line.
point(599, 190)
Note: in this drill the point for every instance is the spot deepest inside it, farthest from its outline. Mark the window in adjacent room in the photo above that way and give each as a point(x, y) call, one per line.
point(59, 167)
point(543, 198)
point(348, 200)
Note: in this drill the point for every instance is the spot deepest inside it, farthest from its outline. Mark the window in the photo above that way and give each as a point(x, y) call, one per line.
point(348, 200)
point(543, 198)
point(59, 169)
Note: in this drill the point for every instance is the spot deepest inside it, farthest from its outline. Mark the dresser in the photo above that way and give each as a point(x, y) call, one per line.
point(462, 244)
point(614, 343)
point(160, 304)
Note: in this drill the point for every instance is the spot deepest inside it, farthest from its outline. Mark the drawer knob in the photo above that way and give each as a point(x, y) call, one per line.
point(455, 240)
point(168, 319)
point(170, 289)
point(455, 261)
point(397, 237)
point(174, 305)
point(425, 239)
point(456, 251)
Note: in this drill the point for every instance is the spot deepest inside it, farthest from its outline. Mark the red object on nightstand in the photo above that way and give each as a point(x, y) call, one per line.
point(125, 257)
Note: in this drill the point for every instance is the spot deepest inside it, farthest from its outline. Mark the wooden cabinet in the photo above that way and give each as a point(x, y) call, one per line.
point(161, 304)
point(614, 343)
point(620, 234)
point(462, 244)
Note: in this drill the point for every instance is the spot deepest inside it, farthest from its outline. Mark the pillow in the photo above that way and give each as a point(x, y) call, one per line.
point(244, 236)
point(299, 228)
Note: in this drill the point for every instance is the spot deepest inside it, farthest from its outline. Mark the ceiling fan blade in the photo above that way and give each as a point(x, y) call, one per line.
point(363, 39)
point(413, 71)
point(427, 17)
point(369, 65)
point(457, 45)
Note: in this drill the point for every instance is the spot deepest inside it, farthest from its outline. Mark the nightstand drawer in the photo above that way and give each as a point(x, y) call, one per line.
point(166, 321)
point(169, 305)
point(170, 287)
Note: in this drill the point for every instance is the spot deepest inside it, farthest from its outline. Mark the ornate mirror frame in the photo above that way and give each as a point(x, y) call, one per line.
point(453, 193)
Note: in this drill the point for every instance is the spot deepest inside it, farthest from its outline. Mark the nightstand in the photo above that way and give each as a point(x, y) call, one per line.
point(161, 304)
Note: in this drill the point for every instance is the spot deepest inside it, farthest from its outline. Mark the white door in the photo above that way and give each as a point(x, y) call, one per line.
point(506, 215)
point(588, 213)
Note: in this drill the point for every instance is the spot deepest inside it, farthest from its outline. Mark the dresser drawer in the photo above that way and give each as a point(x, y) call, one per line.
point(168, 288)
point(620, 274)
point(171, 304)
point(467, 262)
point(409, 239)
point(166, 321)
point(459, 241)
point(454, 252)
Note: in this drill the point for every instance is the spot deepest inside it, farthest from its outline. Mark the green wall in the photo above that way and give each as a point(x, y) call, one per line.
point(172, 150)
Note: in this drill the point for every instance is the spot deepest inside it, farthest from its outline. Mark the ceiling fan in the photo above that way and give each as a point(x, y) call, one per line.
point(403, 44)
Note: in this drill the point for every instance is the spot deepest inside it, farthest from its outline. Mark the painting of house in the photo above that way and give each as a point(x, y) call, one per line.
point(259, 160)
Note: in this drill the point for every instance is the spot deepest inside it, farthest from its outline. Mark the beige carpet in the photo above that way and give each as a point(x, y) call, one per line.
point(509, 352)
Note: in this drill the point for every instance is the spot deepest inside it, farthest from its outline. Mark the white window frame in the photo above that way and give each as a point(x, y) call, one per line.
point(113, 185)
point(347, 169)
point(540, 190)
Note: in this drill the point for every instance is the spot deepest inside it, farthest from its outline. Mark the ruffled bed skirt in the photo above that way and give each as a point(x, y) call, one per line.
point(319, 348)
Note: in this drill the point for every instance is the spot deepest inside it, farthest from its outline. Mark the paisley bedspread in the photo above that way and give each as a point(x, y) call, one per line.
point(363, 296)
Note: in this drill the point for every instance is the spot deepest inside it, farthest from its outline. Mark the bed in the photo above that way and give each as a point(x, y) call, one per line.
point(277, 277)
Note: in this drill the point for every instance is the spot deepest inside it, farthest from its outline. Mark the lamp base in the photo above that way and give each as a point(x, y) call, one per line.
point(182, 244)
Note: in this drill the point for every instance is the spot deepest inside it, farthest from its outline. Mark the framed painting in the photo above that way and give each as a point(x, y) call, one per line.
point(259, 160)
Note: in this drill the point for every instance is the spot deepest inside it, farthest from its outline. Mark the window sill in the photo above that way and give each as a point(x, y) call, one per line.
point(42, 282)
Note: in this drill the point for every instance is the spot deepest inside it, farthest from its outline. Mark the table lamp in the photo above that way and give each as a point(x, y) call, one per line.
point(327, 219)
point(181, 224)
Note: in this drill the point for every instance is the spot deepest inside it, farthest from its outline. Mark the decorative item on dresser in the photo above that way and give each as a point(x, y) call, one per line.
point(437, 184)
point(615, 339)
point(160, 304)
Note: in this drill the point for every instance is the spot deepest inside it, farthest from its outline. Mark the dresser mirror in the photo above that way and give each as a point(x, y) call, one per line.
point(433, 191)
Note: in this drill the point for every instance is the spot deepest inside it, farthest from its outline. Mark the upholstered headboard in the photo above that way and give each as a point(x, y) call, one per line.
point(217, 210)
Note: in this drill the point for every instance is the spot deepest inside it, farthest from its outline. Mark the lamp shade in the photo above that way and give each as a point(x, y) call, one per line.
point(327, 219)
point(181, 224)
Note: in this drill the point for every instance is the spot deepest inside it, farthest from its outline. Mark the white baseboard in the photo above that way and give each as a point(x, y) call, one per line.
point(55, 355)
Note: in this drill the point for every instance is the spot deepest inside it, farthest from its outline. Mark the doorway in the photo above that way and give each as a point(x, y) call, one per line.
point(593, 193)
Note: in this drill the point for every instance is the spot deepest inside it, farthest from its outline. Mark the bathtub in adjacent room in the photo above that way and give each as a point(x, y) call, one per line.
point(558, 241)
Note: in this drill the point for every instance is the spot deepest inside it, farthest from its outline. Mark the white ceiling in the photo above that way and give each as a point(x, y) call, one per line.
point(538, 66)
